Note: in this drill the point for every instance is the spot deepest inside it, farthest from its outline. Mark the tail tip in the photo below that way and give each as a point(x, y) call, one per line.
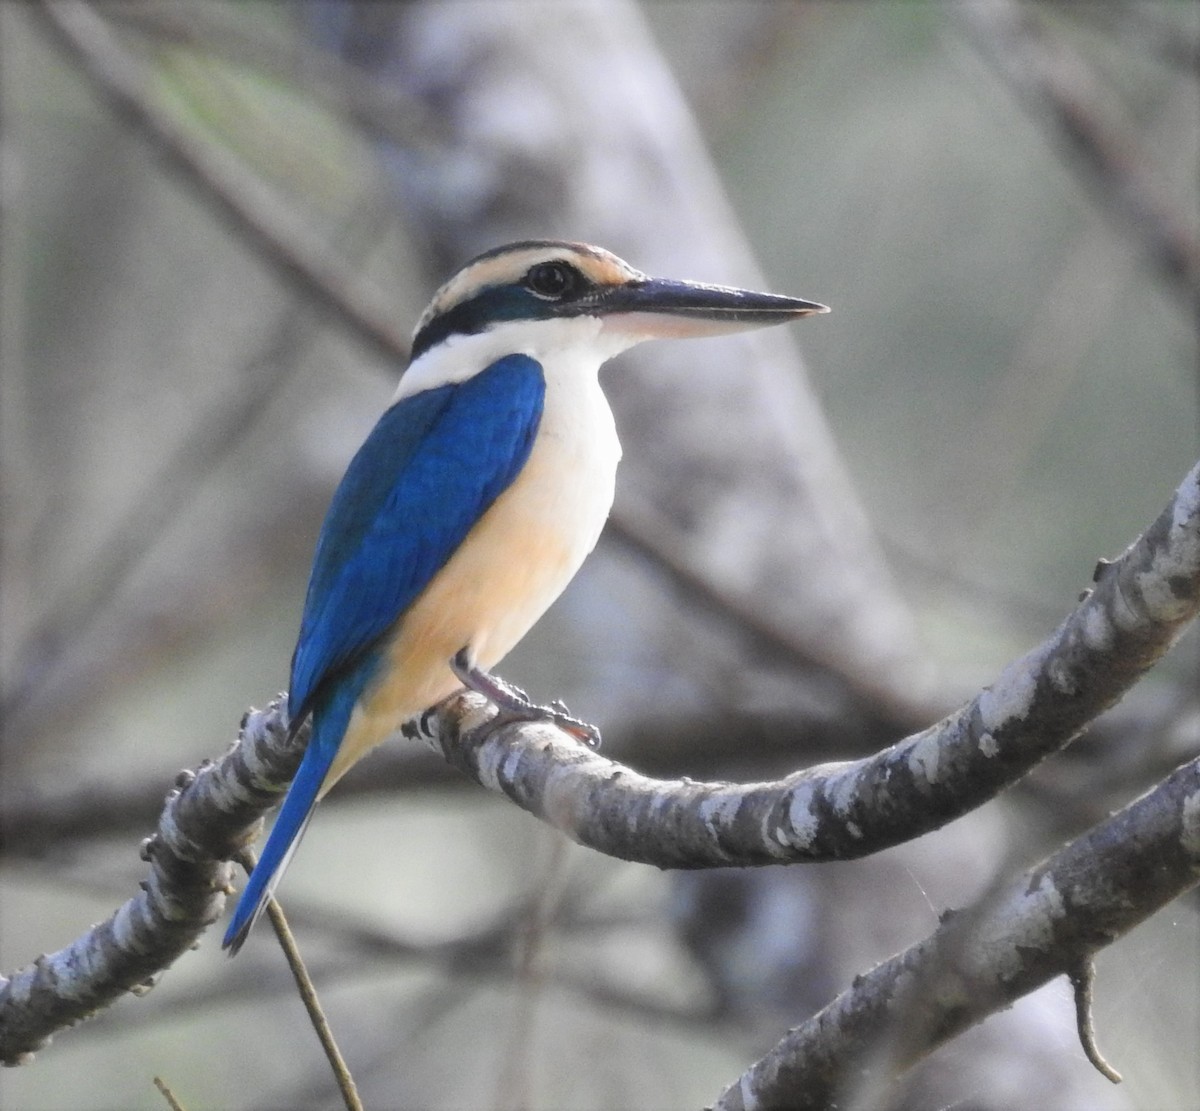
point(243, 921)
point(235, 937)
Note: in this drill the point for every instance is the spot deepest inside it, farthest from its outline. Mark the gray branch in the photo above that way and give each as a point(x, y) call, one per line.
point(207, 817)
point(1139, 607)
point(1041, 925)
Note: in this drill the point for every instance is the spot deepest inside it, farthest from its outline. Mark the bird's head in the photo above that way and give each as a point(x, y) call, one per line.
point(537, 296)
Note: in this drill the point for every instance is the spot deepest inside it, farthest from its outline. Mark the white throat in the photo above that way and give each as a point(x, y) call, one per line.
point(572, 469)
point(580, 342)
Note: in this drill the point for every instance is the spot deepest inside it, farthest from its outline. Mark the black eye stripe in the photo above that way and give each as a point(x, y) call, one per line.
point(551, 288)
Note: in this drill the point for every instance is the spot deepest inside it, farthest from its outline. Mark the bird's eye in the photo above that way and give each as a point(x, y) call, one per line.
point(553, 280)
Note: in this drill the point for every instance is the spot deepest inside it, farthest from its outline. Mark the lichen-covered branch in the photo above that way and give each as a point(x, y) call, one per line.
point(1140, 605)
point(1040, 926)
point(208, 816)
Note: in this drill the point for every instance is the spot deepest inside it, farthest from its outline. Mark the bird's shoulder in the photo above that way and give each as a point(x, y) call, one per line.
point(429, 469)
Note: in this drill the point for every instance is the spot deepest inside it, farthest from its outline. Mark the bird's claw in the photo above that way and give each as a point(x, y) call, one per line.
point(514, 704)
point(512, 688)
point(556, 714)
point(583, 731)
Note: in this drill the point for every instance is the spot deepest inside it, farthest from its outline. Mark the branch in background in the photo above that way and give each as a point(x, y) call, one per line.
point(34, 825)
point(1138, 743)
point(259, 219)
point(1038, 927)
point(1138, 609)
point(1141, 742)
point(1059, 90)
point(483, 954)
point(258, 216)
point(1170, 41)
point(380, 108)
point(208, 817)
point(636, 527)
point(205, 446)
point(213, 436)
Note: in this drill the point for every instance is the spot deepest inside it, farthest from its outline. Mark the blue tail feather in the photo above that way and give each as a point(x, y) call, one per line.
point(285, 837)
point(329, 722)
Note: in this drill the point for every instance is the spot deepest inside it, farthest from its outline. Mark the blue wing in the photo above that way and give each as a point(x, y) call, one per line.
point(424, 476)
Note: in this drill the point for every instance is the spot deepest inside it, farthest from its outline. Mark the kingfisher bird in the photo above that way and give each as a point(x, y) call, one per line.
point(473, 502)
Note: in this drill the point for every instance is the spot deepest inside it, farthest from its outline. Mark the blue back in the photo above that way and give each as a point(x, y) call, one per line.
point(427, 472)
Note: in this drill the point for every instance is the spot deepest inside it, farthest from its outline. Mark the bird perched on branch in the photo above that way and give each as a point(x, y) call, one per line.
point(473, 502)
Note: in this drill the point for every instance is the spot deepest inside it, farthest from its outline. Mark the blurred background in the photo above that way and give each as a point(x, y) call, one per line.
point(218, 223)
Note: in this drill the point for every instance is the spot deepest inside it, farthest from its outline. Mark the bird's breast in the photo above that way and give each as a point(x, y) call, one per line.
point(531, 541)
point(511, 566)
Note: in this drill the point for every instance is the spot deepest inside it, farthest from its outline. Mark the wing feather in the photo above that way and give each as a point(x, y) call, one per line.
point(429, 469)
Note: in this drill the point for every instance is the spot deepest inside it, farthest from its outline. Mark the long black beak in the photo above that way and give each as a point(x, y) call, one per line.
point(654, 307)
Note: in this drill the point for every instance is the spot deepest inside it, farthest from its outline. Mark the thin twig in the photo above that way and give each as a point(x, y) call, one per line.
point(1083, 978)
point(172, 1102)
point(308, 993)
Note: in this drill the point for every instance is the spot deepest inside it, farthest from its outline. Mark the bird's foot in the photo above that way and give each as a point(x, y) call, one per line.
point(515, 705)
